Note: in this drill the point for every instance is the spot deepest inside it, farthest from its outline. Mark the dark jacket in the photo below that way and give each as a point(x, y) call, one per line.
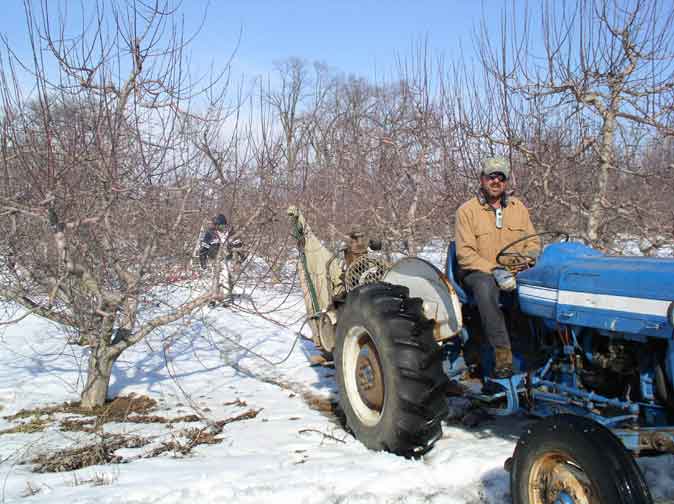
point(210, 245)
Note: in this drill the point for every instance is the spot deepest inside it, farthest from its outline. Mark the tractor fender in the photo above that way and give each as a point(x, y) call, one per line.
point(440, 301)
point(327, 323)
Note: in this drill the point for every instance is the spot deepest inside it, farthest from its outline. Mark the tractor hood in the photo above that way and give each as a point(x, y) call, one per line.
point(577, 285)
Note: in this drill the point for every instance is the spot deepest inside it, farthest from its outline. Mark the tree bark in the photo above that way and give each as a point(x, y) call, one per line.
point(605, 164)
point(99, 373)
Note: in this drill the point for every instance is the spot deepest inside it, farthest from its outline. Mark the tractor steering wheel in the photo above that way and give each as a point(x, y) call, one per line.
point(517, 260)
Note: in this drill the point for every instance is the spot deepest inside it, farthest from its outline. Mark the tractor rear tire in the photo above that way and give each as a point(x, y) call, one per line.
point(568, 458)
point(389, 371)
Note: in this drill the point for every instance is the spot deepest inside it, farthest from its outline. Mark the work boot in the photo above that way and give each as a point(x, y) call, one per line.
point(503, 366)
point(503, 369)
point(503, 372)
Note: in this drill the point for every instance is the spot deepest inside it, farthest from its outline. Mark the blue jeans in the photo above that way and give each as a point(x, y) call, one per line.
point(487, 294)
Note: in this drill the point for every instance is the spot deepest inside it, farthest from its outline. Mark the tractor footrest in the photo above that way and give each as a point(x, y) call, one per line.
point(512, 387)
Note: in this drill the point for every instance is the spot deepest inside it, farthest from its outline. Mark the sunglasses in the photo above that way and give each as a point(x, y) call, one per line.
point(496, 176)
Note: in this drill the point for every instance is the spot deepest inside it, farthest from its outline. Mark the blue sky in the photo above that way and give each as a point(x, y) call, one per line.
point(354, 37)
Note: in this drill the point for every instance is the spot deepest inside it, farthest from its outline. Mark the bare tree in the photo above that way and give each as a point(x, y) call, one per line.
point(99, 175)
point(410, 166)
point(606, 68)
point(375, 155)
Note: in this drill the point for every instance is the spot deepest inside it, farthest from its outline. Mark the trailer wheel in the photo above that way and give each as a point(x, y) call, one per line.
point(570, 459)
point(389, 371)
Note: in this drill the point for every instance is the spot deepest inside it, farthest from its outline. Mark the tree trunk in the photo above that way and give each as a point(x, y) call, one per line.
point(605, 164)
point(99, 372)
point(410, 230)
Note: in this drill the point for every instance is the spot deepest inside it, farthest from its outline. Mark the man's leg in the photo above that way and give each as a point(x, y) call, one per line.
point(486, 294)
point(203, 259)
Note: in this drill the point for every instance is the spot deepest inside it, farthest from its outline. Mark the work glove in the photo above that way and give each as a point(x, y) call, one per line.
point(504, 279)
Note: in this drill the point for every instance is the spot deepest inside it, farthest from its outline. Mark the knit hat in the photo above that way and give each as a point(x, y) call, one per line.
point(220, 220)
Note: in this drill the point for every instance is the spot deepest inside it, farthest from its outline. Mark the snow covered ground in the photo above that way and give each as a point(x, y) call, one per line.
point(291, 451)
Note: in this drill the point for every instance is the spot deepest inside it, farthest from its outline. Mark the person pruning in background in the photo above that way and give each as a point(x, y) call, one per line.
point(215, 235)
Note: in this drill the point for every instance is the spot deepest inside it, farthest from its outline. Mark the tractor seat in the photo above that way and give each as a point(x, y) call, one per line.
point(452, 272)
point(507, 299)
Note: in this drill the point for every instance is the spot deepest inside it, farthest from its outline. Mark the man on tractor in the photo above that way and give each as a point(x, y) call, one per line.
point(484, 225)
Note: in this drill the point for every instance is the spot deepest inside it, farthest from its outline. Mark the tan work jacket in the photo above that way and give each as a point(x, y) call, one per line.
point(478, 240)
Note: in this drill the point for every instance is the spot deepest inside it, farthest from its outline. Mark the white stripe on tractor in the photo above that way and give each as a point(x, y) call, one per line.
point(543, 293)
point(638, 306)
point(626, 304)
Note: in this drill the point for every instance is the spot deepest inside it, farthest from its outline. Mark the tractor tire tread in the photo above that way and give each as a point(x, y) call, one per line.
point(410, 358)
point(591, 447)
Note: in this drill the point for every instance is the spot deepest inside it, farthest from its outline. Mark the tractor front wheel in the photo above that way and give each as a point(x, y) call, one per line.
point(389, 371)
point(567, 459)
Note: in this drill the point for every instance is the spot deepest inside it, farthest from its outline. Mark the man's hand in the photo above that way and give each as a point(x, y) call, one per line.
point(524, 260)
point(504, 279)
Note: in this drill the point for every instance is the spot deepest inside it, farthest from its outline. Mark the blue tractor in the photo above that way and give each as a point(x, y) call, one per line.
point(593, 345)
point(595, 351)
